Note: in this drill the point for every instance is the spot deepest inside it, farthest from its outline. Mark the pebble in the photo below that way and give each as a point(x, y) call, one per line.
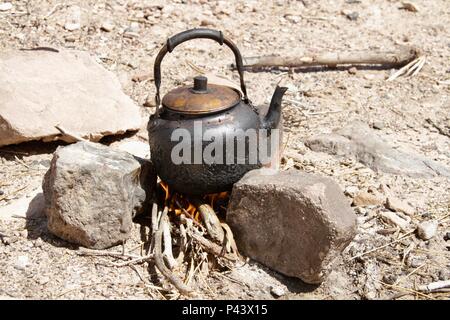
point(427, 229)
point(378, 125)
point(277, 291)
point(353, 70)
point(21, 262)
point(107, 26)
point(2, 192)
point(395, 204)
point(447, 236)
point(5, 6)
point(351, 191)
point(365, 199)
point(389, 278)
point(351, 15)
point(72, 26)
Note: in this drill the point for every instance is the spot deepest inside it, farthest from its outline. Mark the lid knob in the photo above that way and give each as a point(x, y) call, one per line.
point(200, 84)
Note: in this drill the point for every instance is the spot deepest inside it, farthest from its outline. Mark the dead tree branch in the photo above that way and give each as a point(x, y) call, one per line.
point(332, 59)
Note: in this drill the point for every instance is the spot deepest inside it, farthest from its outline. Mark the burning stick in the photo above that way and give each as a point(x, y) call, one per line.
point(211, 221)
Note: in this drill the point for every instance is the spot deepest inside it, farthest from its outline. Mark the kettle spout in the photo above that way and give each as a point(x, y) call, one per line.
point(273, 115)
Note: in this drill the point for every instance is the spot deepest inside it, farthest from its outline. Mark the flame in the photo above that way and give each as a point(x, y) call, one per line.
point(175, 200)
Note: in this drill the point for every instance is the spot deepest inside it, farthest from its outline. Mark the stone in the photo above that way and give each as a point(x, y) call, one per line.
point(364, 199)
point(85, 99)
point(378, 125)
point(6, 6)
point(92, 193)
point(351, 15)
point(277, 291)
point(293, 222)
point(427, 229)
point(22, 262)
point(73, 21)
point(107, 26)
point(70, 26)
point(356, 140)
point(395, 204)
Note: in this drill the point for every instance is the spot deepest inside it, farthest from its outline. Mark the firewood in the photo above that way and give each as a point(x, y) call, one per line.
point(332, 59)
point(159, 261)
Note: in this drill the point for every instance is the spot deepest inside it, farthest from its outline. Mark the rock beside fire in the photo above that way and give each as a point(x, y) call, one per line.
point(295, 223)
point(92, 192)
point(40, 89)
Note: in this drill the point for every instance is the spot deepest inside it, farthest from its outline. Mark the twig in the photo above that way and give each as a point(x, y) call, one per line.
point(434, 286)
point(416, 65)
point(211, 247)
point(407, 235)
point(167, 239)
point(159, 261)
point(411, 291)
point(115, 254)
point(53, 10)
point(72, 135)
point(189, 215)
point(134, 261)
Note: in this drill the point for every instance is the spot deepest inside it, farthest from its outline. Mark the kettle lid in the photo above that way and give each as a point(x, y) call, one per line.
point(201, 98)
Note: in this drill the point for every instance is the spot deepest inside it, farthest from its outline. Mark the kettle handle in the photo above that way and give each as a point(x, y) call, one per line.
point(199, 33)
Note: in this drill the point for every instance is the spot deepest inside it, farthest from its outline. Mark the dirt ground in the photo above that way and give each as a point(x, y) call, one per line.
point(331, 97)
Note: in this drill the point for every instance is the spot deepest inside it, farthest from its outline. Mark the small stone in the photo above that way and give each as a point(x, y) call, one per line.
point(414, 262)
point(277, 292)
point(378, 125)
point(351, 15)
point(24, 233)
point(73, 21)
point(351, 191)
point(5, 6)
point(352, 70)
point(38, 243)
point(389, 278)
point(70, 26)
point(21, 262)
point(408, 6)
point(447, 236)
point(364, 199)
point(2, 192)
point(107, 26)
point(133, 28)
point(427, 229)
point(395, 204)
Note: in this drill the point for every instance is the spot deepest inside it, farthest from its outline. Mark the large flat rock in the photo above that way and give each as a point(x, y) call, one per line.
point(40, 89)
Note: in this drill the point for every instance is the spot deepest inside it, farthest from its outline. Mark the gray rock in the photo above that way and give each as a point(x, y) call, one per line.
point(358, 141)
point(92, 192)
point(295, 223)
point(427, 229)
point(85, 99)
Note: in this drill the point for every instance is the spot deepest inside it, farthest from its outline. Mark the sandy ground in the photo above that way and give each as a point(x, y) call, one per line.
point(332, 97)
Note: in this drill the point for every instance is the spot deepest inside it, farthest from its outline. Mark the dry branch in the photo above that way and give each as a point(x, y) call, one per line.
point(211, 247)
point(332, 59)
point(211, 221)
point(159, 261)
